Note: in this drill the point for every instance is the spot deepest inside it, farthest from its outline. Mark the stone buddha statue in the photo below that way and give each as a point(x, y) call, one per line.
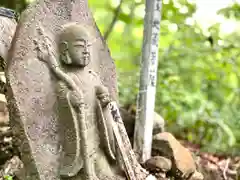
point(88, 143)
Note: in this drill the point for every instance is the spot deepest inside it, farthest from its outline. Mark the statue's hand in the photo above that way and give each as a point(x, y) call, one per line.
point(103, 95)
point(76, 99)
point(42, 51)
point(104, 100)
point(44, 54)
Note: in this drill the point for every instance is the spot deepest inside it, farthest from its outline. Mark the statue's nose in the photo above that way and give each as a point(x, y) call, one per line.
point(85, 53)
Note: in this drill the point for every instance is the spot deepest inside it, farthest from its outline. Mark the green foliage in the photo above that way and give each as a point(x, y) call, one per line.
point(231, 12)
point(198, 75)
point(17, 5)
point(8, 177)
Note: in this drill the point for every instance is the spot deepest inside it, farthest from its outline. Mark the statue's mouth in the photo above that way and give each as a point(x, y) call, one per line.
point(86, 58)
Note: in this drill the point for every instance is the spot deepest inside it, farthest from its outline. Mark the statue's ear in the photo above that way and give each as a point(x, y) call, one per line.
point(63, 48)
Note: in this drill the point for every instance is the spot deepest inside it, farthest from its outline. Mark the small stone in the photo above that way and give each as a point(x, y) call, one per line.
point(158, 163)
point(197, 176)
point(13, 166)
point(160, 175)
point(159, 123)
point(183, 165)
point(2, 77)
point(151, 177)
point(3, 103)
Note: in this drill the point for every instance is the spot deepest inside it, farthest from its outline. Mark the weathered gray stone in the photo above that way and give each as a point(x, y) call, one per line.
point(77, 91)
point(31, 94)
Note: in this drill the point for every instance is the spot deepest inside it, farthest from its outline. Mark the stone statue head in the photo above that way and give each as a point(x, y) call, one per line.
point(74, 44)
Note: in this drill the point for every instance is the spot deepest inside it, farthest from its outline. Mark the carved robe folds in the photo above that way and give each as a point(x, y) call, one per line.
point(87, 80)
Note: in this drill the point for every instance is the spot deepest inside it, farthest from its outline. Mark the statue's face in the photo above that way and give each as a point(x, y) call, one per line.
point(79, 52)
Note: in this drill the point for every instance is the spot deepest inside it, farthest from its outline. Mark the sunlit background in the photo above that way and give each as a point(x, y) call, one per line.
point(198, 79)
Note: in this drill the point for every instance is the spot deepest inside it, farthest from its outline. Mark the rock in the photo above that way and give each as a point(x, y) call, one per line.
point(166, 145)
point(2, 77)
point(158, 123)
point(129, 122)
point(3, 88)
point(158, 163)
point(3, 103)
point(12, 167)
point(197, 176)
point(4, 119)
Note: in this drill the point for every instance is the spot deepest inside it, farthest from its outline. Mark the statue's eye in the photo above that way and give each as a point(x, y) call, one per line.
point(78, 45)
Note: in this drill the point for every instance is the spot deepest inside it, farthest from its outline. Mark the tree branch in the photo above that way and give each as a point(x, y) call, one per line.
point(114, 20)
